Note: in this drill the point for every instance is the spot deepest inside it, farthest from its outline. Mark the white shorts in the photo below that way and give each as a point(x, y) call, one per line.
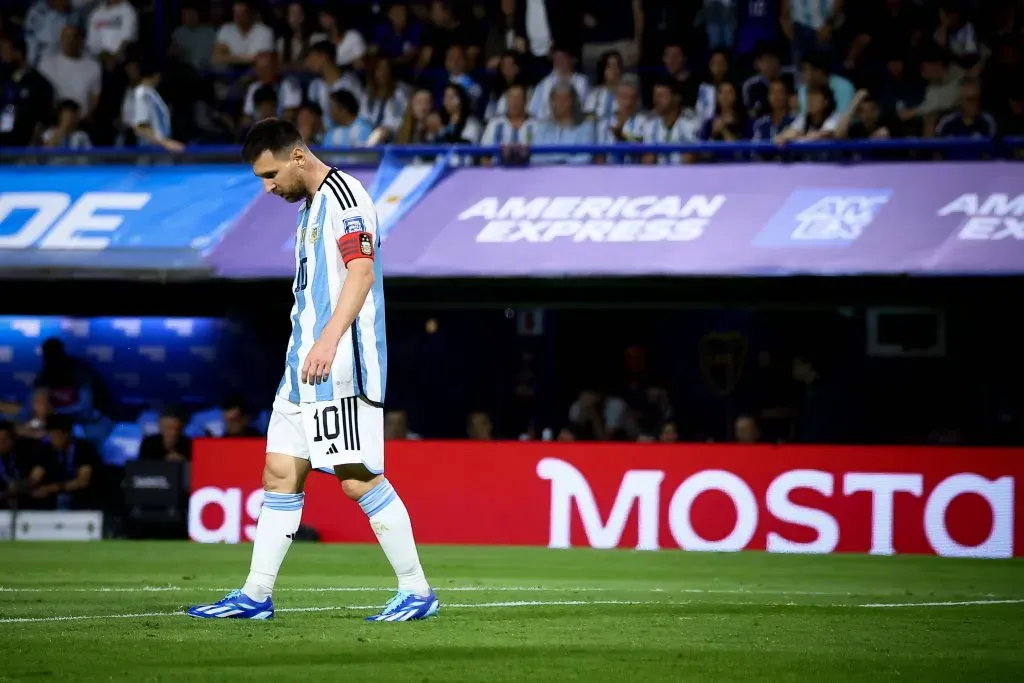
point(342, 431)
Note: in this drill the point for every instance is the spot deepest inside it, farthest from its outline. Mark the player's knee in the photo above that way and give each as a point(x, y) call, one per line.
point(356, 489)
point(279, 478)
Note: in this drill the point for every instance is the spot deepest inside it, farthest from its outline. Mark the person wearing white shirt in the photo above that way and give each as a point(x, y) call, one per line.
point(564, 73)
point(239, 41)
point(384, 102)
point(113, 26)
point(350, 47)
point(268, 73)
point(43, 24)
point(819, 123)
point(671, 123)
point(330, 78)
point(567, 126)
point(73, 74)
point(151, 116)
point(601, 102)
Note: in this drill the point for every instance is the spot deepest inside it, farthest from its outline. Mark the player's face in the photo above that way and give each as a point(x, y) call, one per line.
point(280, 175)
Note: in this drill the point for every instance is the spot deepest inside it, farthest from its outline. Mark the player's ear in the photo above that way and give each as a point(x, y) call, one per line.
point(299, 156)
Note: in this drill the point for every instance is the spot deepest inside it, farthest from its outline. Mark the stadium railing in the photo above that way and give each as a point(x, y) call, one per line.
point(901, 149)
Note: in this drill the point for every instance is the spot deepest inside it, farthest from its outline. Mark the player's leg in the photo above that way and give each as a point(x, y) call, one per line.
point(284, 476)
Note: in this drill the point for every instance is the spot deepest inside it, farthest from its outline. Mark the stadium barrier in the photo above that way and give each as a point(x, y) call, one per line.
point(788, 499)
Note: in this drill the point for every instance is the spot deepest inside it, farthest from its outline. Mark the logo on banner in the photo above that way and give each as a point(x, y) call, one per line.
point(823, 217)
point(722, 357)
point(986, 218)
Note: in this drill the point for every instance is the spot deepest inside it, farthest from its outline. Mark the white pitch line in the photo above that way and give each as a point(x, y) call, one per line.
point(494, 605)
point(961, 603)
point(467, 589)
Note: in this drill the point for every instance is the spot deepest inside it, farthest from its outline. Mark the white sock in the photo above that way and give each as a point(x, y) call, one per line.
point(389, 520)
point(278, 522)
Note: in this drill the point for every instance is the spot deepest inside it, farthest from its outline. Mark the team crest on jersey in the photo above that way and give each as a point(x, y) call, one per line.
point(354, 224)
point(366, 244)
point(314, 233)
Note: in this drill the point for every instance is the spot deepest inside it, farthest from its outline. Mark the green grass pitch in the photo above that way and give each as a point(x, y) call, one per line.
point(110, 611)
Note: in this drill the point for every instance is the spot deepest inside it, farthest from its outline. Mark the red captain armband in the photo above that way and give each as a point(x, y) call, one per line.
point(355, 245)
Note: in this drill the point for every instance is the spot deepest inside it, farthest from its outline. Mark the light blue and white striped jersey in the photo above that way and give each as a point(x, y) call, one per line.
point(601, 103)
point(540, 102)
point(500, 131)
point(707, 100)
point(686, 129)
point(339, 222)
point(289, 96)
point(149, 109)
point(319, 92)
point(387, 113)
point(635, 129)
point(550, 133)
point(812, 13)
point(499, 106)
point(353, 135)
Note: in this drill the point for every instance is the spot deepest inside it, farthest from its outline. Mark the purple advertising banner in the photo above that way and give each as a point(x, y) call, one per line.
point(749, 219)
point(262, 241)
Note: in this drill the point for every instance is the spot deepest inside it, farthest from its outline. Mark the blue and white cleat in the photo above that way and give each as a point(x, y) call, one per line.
point(407, 606)
point(234, 605)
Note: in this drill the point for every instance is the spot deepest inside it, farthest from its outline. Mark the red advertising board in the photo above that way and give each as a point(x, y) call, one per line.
point(810, 499)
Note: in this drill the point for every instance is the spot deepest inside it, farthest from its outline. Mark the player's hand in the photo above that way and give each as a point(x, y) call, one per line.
point(318, 362)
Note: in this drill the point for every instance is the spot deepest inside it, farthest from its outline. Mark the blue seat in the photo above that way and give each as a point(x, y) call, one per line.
point(122, 445)
point(206, 423)
point(149, 422)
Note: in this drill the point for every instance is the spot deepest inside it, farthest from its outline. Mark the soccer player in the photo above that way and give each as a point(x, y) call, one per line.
point(328, 412)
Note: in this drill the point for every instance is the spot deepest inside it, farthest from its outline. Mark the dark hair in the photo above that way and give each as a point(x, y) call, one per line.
point(7, 426)
point(783, 83)
point(288, 35)
point(602, 63)
point(324, 47)
point(933, 53)
point(148, 67)
point(235, 402)
point(346, 100)
point(68, 105)
point(313, 107)
point(465, 105)
point(273, 135)
point(60, 423)
point(264, 94)
point(818, 61)
point(173, 411)
point(670, 83)
point(17, 44)
point(766, 48)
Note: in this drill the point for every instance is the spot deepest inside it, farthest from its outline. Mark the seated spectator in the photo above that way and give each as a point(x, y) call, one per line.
point(513, 128)
point(745, 430)
point(40, 410)
point(268, 74)
point(509, 73)
point(265, 105)
point(707, 93)
point(44, 22)
point(458, 124)
point(112, 28)
point(968, 121)
point(456, 73)
point(243, 38)
point(675, 68)
point(816, 72)
point(193, 42)
point(777, 118)
point(870, 123)
point(151, 118)
point(597, 416)
point(384, 102)
point(398, 40)
point(819, 123)
point(237, 420)
point(310, 123)
point(66, 133)
point(942, 92)
point(329, 77)
point(74, 74)
point(170, 444)
point(627, 124)
point(562, 75)
point(70, 484)
point(567, 126)
point(73, 387)
point(23, 468)
point(396, 426)
point(602, 101)
point(479, 427)
point(350, 129)
point(672, 123)
point(349, 46)
point(26, 105)
point(296, 36)
point(729, 123)
point(756, 89)
point(421, 124)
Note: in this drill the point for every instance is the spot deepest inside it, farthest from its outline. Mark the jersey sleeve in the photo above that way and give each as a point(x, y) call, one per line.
point(351, 218)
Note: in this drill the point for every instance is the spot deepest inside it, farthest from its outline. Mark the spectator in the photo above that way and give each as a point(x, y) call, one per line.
point(479, 427)
point(151, 120)
point(329, 77)
point(508, 74)
point(899, 85)
point(501, 36)
point(443, 31)
point(669, 432)
point(310, 122)
point(26, 101)
point(113, 26)
point(707, 93)
point(350, 129)
point(73, 74)
point(193, 42)
point(268, 74)
point(745, 430)
point(421, 123)
point(296, 36)
point(729, 123)
point(396, 426)
point(778, 118)
point(383, 104)
point(816, 73)
point(676, 68)
point(170, 444)
point(758, 25)
point(43, 25)
point(348, 42)
point(237, 420)
point(870, 124)
point(515, 127)
point(597, 416)
point(458, 123)
point(66, 133)
point(73, 387)
point(455, 68)
point(819, 123)
point(567, 126)
point(40, 410)
point(809, 23)
point(672, 123)
point(398, 40)
point(628, 124)
point(720, 23)
point(70, 484)
point(942, 92)
point(242, 39)
point(23, 468)
point(769, 69)
point(969, 121)
point(958, 36)
point(563, 74)
point(265, 105)
point(602, 102)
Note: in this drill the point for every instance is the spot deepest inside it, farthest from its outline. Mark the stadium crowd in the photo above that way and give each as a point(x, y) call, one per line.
point(80, 73)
